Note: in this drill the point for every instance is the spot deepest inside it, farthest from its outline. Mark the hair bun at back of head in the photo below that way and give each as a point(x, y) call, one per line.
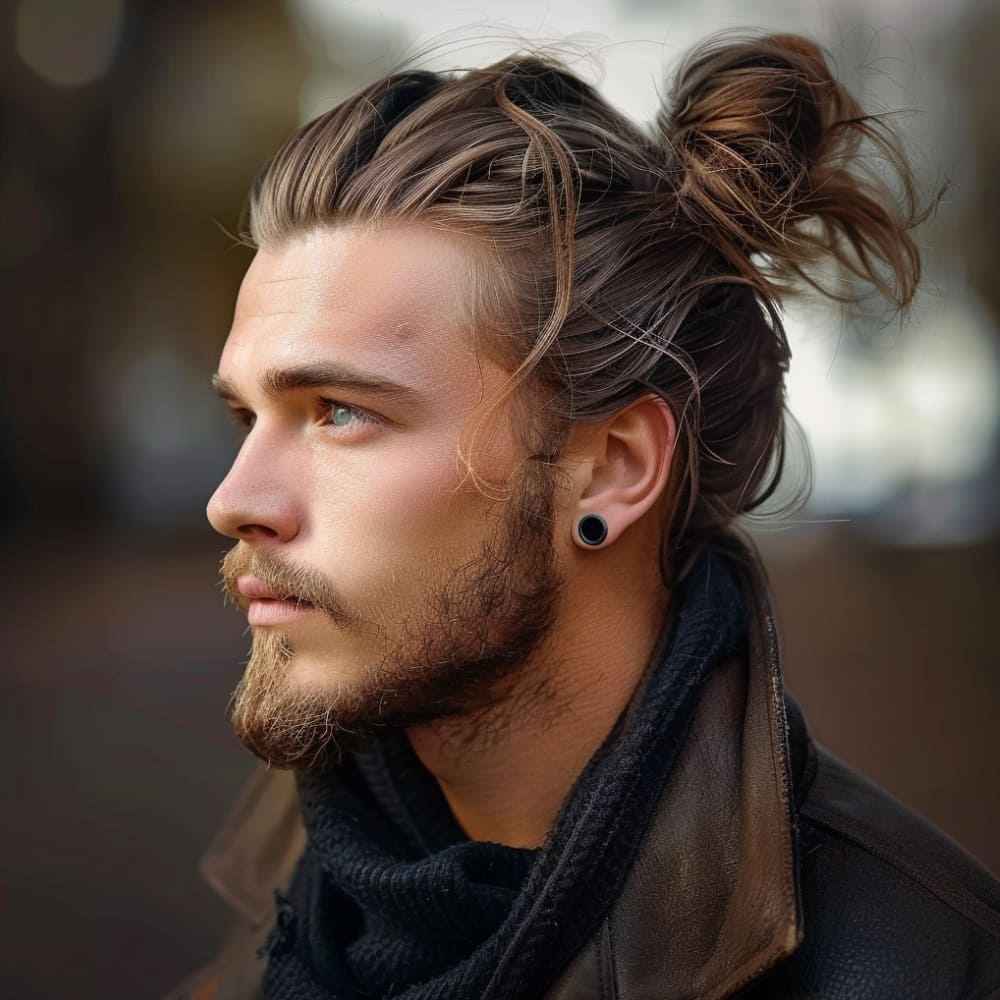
point(763, 138)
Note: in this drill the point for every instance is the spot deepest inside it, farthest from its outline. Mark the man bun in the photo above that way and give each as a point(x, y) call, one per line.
point(765, 143)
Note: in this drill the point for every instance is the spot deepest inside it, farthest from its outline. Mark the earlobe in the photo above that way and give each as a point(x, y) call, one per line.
point(627, 465)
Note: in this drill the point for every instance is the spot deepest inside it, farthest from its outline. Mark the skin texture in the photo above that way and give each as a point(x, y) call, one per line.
point(369, 511)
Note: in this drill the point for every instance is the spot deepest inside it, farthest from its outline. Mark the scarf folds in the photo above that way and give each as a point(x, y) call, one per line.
point(391, 901)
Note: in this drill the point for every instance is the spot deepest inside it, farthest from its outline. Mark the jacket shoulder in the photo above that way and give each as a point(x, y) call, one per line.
point(891, 906)
point(253, 854)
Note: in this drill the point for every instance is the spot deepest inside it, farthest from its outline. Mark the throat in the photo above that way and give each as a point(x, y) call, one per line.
point(506, 771)
point(506, 779)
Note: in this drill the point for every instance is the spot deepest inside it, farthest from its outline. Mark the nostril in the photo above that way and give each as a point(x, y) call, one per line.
point(251, 531)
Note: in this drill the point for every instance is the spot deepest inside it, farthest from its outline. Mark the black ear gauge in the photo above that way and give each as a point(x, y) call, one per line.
point(592, 529)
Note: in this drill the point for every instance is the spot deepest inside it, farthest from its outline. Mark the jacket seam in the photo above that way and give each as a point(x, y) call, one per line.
point(970, 907)
point(609, 966)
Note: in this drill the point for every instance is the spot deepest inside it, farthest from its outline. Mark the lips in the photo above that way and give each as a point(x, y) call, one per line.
point(269, 606)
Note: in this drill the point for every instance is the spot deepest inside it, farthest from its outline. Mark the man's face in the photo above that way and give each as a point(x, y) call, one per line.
point(413, 594)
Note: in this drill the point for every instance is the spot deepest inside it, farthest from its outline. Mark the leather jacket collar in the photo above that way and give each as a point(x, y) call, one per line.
point(713, 900)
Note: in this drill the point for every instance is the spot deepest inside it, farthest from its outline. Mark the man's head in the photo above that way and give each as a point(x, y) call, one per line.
point(416, 588)
point(352, 365)
point(484, 306)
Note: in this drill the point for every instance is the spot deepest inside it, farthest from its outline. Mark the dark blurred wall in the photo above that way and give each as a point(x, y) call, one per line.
point(113, 264)
point(59, 248)
point(118, 286)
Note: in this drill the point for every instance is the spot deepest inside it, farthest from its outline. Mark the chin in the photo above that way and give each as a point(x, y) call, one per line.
point(293, 711)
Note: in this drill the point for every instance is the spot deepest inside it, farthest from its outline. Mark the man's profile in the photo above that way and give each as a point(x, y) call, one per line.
point(510, 369)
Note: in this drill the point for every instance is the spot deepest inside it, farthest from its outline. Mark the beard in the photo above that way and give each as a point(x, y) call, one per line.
point(459, 653)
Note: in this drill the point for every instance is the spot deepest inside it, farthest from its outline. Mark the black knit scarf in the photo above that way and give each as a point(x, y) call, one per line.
point(391, 900)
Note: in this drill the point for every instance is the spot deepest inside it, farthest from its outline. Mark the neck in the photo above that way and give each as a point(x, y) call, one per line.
point(507, 771)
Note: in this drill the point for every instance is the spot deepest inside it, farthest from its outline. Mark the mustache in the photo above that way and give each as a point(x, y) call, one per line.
point(297, 583)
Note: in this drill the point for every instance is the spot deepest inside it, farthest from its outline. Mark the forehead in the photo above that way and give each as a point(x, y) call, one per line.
point(395, 299)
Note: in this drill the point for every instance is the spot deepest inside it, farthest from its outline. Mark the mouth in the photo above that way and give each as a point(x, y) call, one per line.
point(270, 607)
point(272, 612)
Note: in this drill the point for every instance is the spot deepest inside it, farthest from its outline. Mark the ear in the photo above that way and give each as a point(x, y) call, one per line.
point(624, 465)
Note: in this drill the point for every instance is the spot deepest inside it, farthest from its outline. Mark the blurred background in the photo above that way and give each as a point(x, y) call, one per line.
point(129, 134)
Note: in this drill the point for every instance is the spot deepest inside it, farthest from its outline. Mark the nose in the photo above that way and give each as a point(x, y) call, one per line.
point(254, 503)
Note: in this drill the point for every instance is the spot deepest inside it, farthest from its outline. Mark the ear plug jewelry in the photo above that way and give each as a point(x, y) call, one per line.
point(592, 529)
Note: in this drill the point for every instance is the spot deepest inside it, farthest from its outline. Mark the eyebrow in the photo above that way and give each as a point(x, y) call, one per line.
point(276, 381)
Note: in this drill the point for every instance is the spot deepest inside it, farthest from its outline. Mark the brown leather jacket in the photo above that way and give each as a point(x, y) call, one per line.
point(771, 871)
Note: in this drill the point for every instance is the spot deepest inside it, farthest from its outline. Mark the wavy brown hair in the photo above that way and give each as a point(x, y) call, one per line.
point(620, 261)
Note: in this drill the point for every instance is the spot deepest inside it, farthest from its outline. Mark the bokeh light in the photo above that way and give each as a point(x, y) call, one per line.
point(69, 44)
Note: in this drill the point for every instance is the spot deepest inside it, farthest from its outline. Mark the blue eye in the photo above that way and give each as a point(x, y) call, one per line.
point(342, 415)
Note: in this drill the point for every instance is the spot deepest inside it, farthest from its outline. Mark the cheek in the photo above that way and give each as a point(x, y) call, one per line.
point(399, 505)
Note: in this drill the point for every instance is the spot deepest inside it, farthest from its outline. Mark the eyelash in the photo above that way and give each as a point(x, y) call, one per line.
point(245, 419)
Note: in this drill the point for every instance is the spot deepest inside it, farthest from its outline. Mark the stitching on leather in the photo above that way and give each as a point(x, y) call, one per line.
point(598, 946)
point(765, 644)
point(770, 644)
point(609, 969)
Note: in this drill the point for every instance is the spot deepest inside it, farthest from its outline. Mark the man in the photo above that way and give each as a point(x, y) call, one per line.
point(509, 368)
